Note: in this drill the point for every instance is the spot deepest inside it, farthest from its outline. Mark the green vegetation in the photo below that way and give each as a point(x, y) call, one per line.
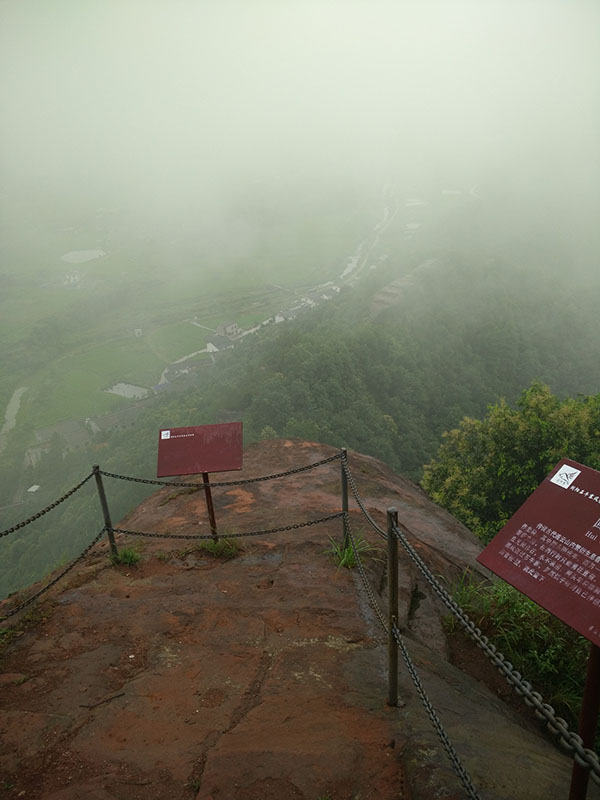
point(73, 387)
point(219, 548)
point(340, 377)
point(127, 556)
point(176, 340)
point(346, 556)
point(483, 472)
point(485, 469)
point(541, 647)
point(471, 328)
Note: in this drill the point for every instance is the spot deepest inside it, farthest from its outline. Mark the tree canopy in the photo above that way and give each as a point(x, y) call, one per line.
point(485, 469)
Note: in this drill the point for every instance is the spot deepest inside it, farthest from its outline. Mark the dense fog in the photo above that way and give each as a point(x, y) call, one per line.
point(365, 224)
point(168, 111)
point(347, 221)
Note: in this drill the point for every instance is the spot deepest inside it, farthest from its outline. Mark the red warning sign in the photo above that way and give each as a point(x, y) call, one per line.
point(202, 448)
point(550, 548)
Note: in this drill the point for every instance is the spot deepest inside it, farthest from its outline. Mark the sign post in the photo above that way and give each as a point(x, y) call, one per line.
point(209, 505)
point(199, 450)
point(550, 550)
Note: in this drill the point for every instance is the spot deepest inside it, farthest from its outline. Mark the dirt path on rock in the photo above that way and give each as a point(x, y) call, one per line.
point(190, 676)
point(261, 677)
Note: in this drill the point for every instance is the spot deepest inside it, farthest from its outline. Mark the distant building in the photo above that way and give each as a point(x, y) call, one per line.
point(229, 329)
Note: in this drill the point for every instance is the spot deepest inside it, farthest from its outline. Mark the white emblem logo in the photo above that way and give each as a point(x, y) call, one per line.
point(565, 476)
point(165, 434)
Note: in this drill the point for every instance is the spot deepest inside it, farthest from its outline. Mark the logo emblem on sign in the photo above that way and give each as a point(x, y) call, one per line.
point(565, 476)
point(165, 434)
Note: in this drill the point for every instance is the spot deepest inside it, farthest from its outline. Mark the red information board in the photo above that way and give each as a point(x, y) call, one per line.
point(201, 448)
point(550, 549)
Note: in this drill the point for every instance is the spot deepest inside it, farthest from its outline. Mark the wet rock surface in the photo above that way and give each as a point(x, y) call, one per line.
point(259, 677)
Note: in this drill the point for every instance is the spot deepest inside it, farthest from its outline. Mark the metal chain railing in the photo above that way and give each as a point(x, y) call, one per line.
point(568, 739)
point(366, 583)
point(460, 771)
point(241, 482)
point(357, 497)
point(463, 775)
point(198, 537)
point(55, 580)
point(47, 509)
point(110, 530)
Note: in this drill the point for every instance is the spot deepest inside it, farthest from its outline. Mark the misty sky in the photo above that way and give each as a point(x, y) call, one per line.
point(179, 103)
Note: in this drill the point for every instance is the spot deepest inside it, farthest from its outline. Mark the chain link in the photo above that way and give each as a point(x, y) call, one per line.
point(463, 775)
point(569, 740)
point(47, 509)
point(367, 584)
point(55, 580)
point(191, 537)
point(241, 482)
point(357, 497)
point(450, 751)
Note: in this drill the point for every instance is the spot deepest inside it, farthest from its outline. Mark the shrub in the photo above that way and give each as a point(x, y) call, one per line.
point(543, 649)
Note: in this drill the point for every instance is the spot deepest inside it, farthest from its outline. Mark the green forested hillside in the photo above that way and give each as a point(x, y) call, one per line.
point(464, 333)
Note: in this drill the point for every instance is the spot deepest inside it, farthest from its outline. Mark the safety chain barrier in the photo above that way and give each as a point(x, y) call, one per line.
point(241, 482)
point(55, 580)
point(569, 740)
point(192, 537)
point(435, 720)
point(357, 497)
point(47, 509)
point(368, 588)
point(443, 736)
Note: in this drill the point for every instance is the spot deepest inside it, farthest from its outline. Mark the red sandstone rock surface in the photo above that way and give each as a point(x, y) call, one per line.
point(262, 677)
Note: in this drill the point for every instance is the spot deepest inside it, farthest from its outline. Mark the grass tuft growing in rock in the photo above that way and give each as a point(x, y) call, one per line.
point(345, 556)
point(219, 548)
point(127, 556)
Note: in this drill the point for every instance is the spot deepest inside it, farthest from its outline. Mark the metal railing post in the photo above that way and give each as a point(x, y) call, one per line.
point(346, 540)
point(106, 513)
point(392, 575)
